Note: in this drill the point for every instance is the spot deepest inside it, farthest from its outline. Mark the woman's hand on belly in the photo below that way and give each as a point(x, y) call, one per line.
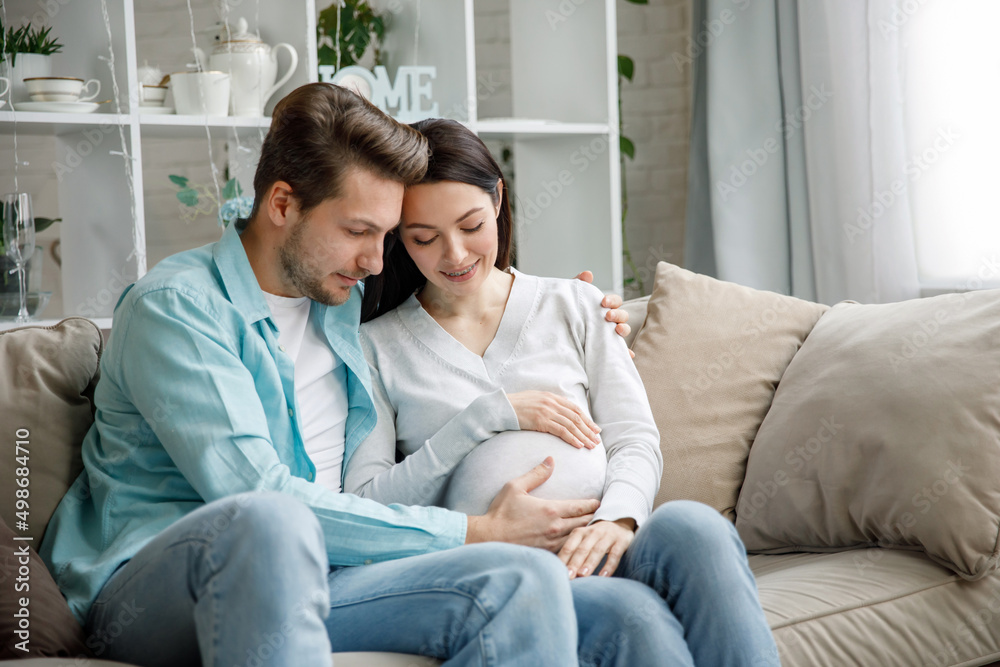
point(550, 413)
point(586, 546)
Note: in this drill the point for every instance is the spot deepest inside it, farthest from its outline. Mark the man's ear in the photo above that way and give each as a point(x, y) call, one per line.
point(281, 205)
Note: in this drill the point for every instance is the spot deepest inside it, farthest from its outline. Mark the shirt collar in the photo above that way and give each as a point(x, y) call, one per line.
point(237, 275)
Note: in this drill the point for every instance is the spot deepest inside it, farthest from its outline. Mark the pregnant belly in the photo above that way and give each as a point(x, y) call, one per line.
point(578, 473)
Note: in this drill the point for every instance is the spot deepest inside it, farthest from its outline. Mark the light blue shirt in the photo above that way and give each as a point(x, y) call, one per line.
point(196, 402)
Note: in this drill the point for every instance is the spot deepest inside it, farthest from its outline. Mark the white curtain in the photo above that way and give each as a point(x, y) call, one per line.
point(797, 178)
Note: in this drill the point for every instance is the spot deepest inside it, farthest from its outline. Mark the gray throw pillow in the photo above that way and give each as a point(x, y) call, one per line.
point(885, 431)
point(710, 354)
point(47, 380)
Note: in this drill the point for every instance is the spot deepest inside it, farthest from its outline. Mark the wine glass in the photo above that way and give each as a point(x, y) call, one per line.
point(19, 241)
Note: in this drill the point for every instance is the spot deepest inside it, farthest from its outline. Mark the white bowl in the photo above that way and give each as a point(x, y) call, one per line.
point(152, 96)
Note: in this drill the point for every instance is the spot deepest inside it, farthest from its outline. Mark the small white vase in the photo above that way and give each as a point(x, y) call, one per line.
point(26, 65)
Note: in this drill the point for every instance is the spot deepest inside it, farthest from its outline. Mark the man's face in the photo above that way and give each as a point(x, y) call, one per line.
point(339, 242)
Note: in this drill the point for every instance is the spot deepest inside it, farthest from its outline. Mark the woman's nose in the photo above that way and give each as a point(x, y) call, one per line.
point(455, 253)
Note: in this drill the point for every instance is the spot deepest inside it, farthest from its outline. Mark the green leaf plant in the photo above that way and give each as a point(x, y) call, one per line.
point(27, 39)
point(360, 26)
point(199, 199)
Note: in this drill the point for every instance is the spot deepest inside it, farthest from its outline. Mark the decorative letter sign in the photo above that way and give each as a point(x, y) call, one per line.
point(403, 99)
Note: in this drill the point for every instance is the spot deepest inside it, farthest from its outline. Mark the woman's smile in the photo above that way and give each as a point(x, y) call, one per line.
point(462, 275)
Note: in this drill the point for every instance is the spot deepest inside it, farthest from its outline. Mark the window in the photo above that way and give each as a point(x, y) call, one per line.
point(951, 97)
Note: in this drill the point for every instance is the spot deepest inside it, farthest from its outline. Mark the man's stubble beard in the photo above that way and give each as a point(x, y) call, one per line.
point(303, 277)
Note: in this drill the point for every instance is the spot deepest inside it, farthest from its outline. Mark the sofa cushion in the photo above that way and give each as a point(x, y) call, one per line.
point(876, 607)
point(885, 431)
point(49, 626)
point(710, 354)
point(47, 380)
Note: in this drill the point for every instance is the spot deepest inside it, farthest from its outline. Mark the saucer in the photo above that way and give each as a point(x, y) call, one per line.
point(59, 107)
point(156, 111)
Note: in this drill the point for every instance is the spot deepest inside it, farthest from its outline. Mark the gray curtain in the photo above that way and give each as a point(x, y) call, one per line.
point(796, 133)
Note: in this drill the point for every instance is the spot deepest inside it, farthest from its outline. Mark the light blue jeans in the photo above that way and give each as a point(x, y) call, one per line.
point(244, 581)
point(689, 556)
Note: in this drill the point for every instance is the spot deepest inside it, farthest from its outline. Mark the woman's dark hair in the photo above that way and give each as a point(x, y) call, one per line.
point(458, 155)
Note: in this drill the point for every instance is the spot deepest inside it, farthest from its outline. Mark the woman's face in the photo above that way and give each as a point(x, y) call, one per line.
point(449, 230)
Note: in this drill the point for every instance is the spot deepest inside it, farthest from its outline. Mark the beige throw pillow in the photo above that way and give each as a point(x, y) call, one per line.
point(885, 431)
point(47, 380)
point(710, 355)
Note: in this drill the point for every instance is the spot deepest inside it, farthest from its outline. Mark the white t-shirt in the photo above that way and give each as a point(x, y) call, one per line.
point(320, 386)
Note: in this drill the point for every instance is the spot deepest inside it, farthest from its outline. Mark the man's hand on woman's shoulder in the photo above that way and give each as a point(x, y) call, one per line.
point(614, 303)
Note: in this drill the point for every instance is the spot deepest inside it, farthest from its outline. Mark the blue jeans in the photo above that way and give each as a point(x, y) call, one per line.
point(683, 594)
point(244, 581)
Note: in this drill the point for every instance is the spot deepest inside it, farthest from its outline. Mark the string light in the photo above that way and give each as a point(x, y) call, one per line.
point(336, 43)
point(208, 132)
point(416, 36)
point(137, 244)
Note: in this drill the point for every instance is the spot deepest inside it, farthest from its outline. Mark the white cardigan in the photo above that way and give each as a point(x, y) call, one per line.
point(437, 401)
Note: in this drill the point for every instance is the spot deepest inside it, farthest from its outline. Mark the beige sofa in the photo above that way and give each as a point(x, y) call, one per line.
point(711, 355)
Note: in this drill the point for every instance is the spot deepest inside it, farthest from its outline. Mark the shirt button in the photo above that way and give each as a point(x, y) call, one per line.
point(291, 413)
point(311, 477)
point(281, 347)
point(368, 562)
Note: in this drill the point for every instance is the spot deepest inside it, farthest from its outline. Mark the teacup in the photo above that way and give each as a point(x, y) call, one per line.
point(61, 89)
point(151, 96)
point(201, 93)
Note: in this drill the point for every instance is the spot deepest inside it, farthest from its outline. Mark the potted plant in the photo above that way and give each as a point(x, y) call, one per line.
point(359, 27)
point(8, 280)
point(27, 52)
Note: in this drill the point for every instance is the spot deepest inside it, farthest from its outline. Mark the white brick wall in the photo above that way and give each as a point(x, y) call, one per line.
point(656, 111)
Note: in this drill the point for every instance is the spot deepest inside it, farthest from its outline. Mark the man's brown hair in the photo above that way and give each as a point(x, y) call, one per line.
point(319, 131)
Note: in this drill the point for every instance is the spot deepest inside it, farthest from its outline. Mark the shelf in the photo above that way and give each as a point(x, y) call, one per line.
point(7, 324)
point(44, 123)
point(176, 127)
point(525, 128)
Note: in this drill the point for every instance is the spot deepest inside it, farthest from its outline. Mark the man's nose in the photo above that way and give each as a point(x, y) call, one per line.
point(371, 261)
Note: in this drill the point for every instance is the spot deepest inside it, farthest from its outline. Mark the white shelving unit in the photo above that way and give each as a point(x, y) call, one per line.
point(563, 128)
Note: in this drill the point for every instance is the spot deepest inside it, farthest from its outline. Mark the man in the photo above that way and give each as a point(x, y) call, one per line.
point(198, 532)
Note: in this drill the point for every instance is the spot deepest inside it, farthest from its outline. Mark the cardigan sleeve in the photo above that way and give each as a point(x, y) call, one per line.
point(619, 404)
point(422, 477)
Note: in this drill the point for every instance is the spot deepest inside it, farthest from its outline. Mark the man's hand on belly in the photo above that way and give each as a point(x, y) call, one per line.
point(519, 518)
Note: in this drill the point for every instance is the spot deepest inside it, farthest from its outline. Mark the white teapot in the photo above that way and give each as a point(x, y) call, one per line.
point(253, 68)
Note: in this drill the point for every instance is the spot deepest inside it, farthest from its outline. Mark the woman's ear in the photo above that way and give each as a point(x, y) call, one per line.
point(499, 196)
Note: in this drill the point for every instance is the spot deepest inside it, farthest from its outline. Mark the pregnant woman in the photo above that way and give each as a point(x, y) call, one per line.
point(480, 372)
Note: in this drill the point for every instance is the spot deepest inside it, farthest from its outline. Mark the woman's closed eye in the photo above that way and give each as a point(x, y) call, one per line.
point(470, 230)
